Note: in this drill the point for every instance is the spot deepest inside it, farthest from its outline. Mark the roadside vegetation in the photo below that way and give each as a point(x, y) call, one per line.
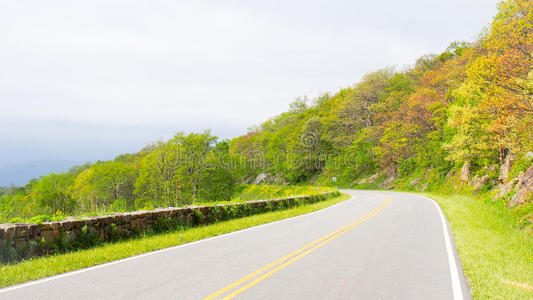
point(497, 256)
point(257, 192)
point(243, 193)
point(51, 265)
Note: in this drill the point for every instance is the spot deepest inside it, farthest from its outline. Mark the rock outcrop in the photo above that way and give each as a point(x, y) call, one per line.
point(391, 176)
point(415, 181)
point(479, 182)
point(263, 178)
point(266, 178)
point(370, 179)
point(528, 155)
point(465, 171)
point(525, 188)
point(505, 168)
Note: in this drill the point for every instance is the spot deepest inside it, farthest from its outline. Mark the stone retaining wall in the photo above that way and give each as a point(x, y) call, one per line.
point(28, 239)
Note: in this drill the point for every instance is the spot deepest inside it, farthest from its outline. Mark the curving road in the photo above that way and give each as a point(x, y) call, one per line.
point(377, 245)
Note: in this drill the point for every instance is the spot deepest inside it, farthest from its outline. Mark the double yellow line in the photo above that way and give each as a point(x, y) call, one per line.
point(294, 256)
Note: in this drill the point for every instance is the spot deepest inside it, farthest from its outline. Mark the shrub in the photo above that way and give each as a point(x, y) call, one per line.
point(86, 238)
point(7, 253)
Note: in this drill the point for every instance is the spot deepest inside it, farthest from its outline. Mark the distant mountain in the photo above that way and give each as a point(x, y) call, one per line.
point(20, 174)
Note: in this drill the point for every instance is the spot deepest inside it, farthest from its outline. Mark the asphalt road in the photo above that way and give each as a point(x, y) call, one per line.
point(377, 245)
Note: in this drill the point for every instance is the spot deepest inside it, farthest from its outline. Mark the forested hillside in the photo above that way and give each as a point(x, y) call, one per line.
point(460, 120)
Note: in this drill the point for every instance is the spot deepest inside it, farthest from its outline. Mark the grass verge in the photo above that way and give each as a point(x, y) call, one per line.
point(51, 265)
point(497, 257)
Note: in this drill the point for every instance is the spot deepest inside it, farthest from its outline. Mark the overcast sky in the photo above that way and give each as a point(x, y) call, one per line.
point(87, 80)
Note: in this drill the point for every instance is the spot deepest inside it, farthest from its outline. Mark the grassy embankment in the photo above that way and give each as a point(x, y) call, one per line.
point(51, 265)
point(497, 256)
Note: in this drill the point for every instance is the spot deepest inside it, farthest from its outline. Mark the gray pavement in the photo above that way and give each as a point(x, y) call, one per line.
point(400, 252)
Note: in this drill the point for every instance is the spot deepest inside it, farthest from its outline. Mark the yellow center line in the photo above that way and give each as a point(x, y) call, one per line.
point(315, 244)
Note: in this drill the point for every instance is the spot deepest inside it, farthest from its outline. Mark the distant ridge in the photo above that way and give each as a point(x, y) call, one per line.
point(20, 174)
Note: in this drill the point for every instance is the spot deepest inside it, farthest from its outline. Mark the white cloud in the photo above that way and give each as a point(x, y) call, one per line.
point(108, 74)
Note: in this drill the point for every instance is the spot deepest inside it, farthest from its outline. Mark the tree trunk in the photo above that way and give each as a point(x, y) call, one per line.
point(176, 193)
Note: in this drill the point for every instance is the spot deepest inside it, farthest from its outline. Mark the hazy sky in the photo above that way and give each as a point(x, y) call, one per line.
point(87, 80)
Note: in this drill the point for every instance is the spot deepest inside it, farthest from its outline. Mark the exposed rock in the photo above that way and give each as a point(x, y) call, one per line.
point(263, 178)
point(391, 171)
point(506, 168)
point(278, 180)
point(391, 176)
point(528, 155)
point(520, 182)
point(370, 179)
point(388, 180)
point(505, 188)
point(526, 189)
point(480, 182)
point(415, 181)
point(373, 178)
point(465, 171)
point(266, 178)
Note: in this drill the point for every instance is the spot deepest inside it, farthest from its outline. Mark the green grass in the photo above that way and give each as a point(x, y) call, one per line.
point(51, 265)
point(497, 257)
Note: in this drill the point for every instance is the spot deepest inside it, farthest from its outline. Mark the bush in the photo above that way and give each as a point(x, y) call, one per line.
point(40, 218)
point(7, 253)
point(86, 238)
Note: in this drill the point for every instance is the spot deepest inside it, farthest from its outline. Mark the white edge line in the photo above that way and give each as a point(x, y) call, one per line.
point(454, 271)
point(70, 273)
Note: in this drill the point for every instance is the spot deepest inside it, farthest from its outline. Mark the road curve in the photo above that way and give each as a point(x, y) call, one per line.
point(377, 245)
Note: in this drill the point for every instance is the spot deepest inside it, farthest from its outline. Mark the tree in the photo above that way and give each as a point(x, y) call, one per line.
point(195, 156)
point(6, 208)
point(103, 183)
point(359, 110)
point(171, 173)
point(51, 194)
point(501, 72)
point(157, 182)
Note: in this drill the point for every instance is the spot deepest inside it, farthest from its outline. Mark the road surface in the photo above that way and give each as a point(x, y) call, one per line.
point(377, 245)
